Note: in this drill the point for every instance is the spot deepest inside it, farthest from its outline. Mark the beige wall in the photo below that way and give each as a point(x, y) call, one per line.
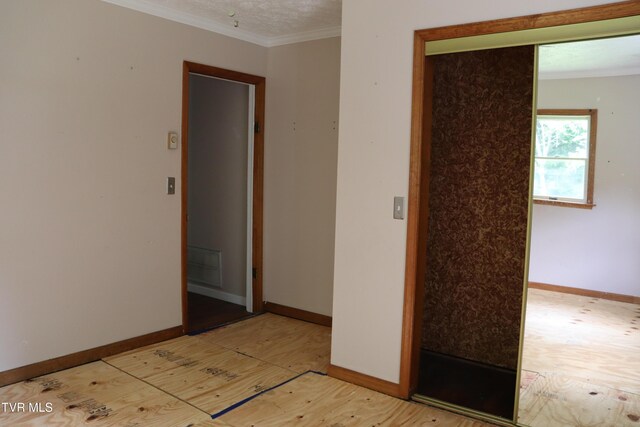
point(300, 174)
point(595, 249)
point(218, 144)
point(373, 166)
point(89, 241)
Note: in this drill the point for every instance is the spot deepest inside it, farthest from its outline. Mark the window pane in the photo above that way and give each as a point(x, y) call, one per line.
point(562, 136)
point(559, 178)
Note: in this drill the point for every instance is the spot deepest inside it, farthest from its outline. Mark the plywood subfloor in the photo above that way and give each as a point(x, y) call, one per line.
point(96, 394)
point(282, 341)
point(208, 376)
point(317, 400)
point(581, 362)
point(181, 382)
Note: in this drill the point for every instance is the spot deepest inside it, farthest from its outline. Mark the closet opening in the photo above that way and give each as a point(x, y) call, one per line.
point(446, 319)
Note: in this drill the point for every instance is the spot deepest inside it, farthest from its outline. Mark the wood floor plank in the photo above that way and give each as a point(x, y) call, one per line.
point(324, 401)
point(289, 343)
point(97, 394)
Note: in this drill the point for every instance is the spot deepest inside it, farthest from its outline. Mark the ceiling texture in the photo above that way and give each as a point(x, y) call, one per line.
point(276, 22)
point(616, 56)
point(264, 22)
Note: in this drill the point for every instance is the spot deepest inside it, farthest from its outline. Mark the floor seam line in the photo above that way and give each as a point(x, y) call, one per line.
point(261, 360)
point(250, 398)
point(158, 388)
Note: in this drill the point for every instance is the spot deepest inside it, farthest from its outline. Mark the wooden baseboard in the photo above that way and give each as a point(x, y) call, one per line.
point(364, 380)
point(585, 292)
point(296, 313)
point(71, 360)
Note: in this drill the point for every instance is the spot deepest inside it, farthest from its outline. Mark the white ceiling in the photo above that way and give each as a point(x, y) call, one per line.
point(617, 56)
point(276, 22)
point(264, 22)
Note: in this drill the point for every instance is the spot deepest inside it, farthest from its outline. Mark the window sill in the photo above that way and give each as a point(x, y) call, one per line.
point(563, 204)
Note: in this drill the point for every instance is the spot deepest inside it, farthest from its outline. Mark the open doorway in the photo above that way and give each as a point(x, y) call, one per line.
point(222, 158)
point(580, 360)
point(601, 21)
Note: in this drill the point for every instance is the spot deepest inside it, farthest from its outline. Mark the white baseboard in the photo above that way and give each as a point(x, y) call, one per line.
point(215, 293)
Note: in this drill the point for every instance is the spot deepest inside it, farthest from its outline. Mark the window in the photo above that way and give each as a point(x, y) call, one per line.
point(565, 157)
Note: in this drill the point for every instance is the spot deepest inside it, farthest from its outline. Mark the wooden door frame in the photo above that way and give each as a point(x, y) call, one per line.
point(258, 176)
point(419, 167)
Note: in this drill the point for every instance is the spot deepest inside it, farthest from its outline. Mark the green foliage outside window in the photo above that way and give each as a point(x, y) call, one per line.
point(561, 151)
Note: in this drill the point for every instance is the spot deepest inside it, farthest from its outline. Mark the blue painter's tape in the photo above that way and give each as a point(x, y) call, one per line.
point(250, 398)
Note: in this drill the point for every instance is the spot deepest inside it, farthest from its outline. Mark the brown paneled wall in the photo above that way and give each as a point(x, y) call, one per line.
point(478, 198)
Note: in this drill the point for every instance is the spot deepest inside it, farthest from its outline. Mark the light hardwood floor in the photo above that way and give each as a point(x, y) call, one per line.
point(581, 362)
point(264, 371)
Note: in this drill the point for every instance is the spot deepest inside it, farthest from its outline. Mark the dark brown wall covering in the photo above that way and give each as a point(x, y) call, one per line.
point(478, 197)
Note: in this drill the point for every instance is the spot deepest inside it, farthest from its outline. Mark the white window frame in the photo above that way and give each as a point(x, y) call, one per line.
point(587, 202)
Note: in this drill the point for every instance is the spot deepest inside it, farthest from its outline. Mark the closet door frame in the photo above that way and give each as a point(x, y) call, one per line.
point(592, 22)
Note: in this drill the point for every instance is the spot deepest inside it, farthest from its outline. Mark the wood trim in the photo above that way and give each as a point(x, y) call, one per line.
point(258, 195)
point(543, 20)
point(563, 204)
point(183, 198)
point(593, 131)
point(585, 292)
point(417, 210)
point(296, 313)
point(417, 218)
point(364, 380)
point(564, 112)
point(592, 155)
point(86, 356)
point(222, 73)
point(258, 175)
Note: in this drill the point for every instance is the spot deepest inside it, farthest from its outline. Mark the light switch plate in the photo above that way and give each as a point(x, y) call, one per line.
point(171, 185)
point(398, 207)
point(172, 141)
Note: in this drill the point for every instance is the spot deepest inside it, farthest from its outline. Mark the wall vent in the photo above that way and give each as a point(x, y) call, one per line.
point(204, 266)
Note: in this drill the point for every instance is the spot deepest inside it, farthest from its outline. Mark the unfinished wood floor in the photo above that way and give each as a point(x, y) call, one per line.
point(581, 362)
point(264, 371)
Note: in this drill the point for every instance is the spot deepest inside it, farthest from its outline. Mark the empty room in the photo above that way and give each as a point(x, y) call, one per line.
point(325, 212)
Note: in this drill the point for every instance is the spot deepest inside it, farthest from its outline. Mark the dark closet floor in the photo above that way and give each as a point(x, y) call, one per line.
point(466, 383)
point(207, 313)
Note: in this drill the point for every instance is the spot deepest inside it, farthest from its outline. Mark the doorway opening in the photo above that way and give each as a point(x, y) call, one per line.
point(580, 236)
point(222, 196)
point(594, 22)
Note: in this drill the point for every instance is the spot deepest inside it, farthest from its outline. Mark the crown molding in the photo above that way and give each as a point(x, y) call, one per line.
point(219, 28)
point(323, 33)
point(190, 19)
